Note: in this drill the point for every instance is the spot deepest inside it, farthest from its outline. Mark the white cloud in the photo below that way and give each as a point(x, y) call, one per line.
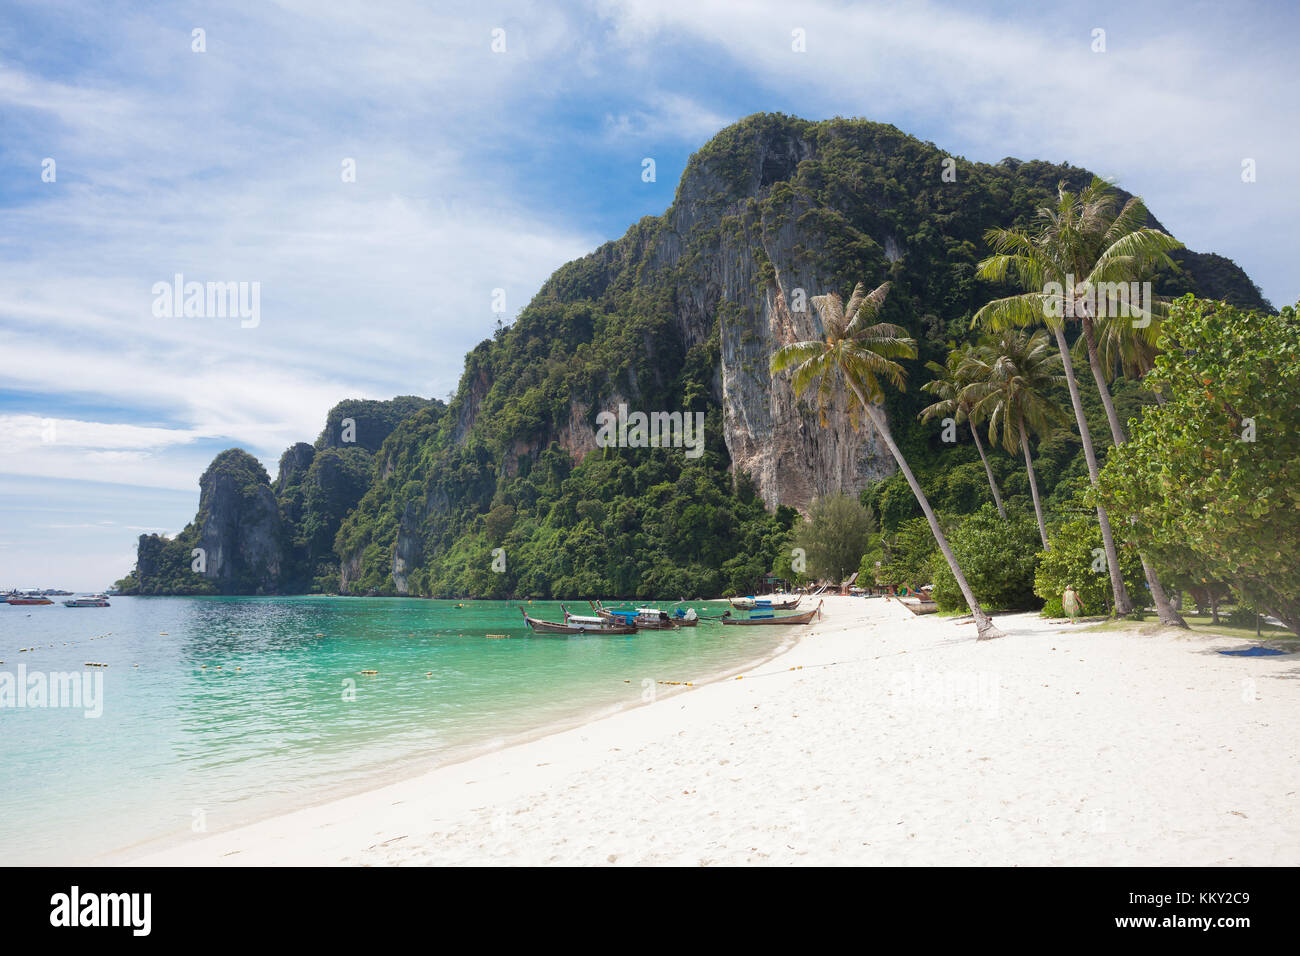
point(1172, 107)
point(667, 116)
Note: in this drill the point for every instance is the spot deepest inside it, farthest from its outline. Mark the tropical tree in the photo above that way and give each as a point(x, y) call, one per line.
point(1122, 349)
point(1084, 257)
point(1210, 475)
point(1011, 378)
point(858, 351)
point(834, 537)
point(949, 385)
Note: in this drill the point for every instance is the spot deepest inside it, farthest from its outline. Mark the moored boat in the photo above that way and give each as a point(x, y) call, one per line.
point(765, 604)
point(28, 598)
point(685, 618)
point(576, 625)
point(94, 600)
point(643, 618)
point(767, 618)
point(919, 605)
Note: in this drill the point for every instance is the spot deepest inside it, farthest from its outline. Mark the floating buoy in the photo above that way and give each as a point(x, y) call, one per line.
point(428, 673)
point(368, 673)
point(162, 633)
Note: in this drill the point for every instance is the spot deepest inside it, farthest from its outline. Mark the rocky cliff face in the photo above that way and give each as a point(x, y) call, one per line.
point(757, 271)
point(239, 525)
point(684, 310)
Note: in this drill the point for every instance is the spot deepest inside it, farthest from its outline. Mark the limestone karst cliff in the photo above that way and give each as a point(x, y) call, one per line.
point(681, 313)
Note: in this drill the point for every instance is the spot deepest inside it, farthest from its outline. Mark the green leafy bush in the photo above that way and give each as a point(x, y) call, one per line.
point(1076, 559)
point(835, 536)
point(998, 557)
point(910, 553)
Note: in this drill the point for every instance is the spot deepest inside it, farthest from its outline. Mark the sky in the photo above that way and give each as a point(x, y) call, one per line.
point(490, 143)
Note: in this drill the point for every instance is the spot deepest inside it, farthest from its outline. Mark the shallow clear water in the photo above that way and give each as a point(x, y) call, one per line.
point(288, 718)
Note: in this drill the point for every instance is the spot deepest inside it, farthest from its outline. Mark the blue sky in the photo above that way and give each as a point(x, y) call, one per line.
point(478, 170)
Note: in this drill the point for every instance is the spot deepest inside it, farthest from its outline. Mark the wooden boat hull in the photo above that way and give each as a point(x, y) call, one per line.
point(804, 618)
point(920, 607)
point(553, 627)
point(640, 622)
point(746, 604)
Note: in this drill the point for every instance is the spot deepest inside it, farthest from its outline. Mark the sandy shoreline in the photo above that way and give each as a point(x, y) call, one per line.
point(894, 740)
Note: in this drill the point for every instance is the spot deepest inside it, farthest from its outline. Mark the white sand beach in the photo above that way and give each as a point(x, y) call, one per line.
point(880, 738)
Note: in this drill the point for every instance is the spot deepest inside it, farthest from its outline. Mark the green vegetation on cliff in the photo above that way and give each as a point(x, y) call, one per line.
point(502, 491)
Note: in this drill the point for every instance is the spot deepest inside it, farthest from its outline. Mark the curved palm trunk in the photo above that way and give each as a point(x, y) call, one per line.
point(984, 625)
point(993, 485)
point(1123, 604)
point(1099, 376)
point(1033, 484)
point(1164, 610)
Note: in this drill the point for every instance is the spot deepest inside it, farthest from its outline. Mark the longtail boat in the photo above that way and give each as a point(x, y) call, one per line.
point(803, 618)
point(919, 605)
point(576, 625)
point(686, 618)
point(643, 618)
point(764, 604)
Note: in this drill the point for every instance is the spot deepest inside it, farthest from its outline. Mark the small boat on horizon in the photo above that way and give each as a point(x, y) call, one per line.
point(93, 600)
point(27, 598)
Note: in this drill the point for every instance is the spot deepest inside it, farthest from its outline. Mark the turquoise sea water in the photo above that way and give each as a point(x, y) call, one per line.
point(288, 719)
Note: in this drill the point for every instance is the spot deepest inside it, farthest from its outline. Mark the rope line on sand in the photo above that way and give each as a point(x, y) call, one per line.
point(797, 667)
point(800, 667)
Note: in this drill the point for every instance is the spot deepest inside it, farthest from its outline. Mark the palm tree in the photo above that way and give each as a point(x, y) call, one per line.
point(1122, 349)
point(1011, 380)
point(858, 351)
point(1081, 236)
point(948, 385)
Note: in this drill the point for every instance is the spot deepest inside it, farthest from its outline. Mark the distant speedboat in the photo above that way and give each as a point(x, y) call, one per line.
point(28, 598)
point(94, 600)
